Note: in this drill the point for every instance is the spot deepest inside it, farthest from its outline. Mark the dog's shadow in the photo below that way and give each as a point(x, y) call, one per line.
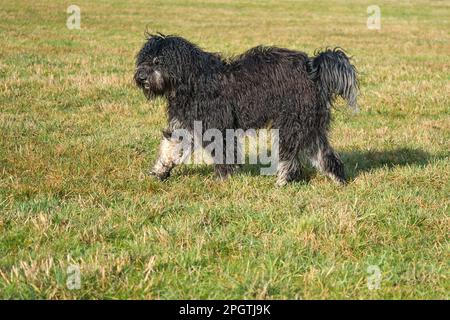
point(360, 161)
point(355, 162)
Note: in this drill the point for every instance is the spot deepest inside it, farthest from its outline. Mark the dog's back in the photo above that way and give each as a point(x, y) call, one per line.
point(267, 62)
point(265, 55)
point(269, 81)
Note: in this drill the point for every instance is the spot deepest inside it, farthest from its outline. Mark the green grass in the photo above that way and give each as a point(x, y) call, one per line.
point(76, 138)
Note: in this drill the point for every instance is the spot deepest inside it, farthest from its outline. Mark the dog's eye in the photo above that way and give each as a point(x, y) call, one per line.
point(155, 60)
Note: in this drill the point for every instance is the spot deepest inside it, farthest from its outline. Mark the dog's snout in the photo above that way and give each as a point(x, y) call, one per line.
point(142, 75)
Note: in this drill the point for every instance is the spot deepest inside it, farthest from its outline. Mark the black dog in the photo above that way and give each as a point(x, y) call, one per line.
point(266, 85)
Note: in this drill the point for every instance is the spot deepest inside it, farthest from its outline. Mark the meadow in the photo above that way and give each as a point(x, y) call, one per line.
point(77, 139)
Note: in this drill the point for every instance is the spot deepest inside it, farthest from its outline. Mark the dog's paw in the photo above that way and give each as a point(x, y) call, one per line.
point(280, 183)
point(223, 172)
point(339, 180)
point(221, 177)
point(161, 176)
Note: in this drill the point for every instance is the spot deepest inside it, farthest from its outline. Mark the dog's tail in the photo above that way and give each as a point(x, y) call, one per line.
point(336, 76)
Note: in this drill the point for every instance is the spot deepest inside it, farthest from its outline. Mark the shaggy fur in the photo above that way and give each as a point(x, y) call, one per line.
point(265, 85)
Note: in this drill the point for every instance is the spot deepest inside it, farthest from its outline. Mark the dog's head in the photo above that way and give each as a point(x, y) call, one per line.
point(166, 61)
point(153, 74)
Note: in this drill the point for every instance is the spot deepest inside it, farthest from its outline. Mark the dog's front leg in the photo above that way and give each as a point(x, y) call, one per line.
point(170, 154)
point(230, 161)
point(166, 159)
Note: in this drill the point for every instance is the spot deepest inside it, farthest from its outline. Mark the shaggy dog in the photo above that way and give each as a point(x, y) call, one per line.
point(265, 85)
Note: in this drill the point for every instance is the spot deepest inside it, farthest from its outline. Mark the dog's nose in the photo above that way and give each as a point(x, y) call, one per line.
point(142, 76)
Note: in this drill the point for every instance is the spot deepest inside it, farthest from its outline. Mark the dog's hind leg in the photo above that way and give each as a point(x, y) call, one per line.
point(289, 168)
point(325, 159)
point(287, 171)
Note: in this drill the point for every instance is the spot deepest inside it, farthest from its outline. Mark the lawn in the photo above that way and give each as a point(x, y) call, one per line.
point(77, 138)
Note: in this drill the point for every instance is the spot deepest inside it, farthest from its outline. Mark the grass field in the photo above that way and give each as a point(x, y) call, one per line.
point(77, 138)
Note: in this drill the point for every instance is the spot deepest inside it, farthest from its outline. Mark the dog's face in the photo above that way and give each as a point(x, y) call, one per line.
point(150, 77)
point(152, 74)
